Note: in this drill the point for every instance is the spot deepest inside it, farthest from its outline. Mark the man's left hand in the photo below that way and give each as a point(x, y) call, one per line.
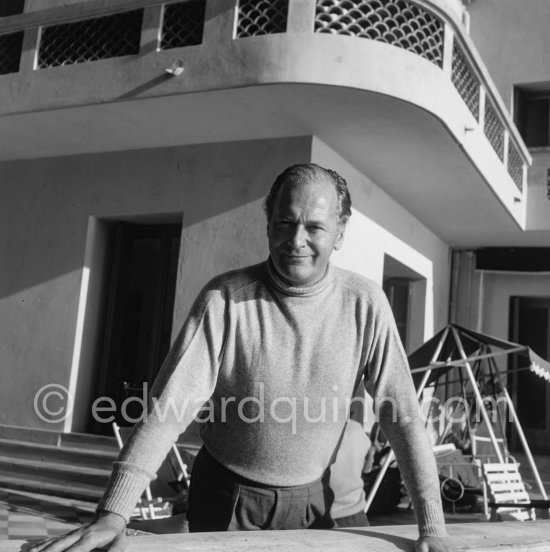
point(434, 544)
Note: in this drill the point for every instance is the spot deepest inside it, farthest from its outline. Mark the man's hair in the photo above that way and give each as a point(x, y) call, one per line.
point(306, 173)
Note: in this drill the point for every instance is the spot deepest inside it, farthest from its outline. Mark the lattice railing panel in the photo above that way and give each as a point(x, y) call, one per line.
point(515, 165)
point(10, 52)
point(465, 81)
point(90, 40)
point(183, 24)
point(261, 17)
point(494, 129)
point(395, 22)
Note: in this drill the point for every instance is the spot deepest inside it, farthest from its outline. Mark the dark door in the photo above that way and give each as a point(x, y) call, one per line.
point(398, 293)
point(138, 323)
point(530, 325)
point(11, 7)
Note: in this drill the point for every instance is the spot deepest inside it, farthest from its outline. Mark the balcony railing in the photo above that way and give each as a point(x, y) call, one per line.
point(465, 80)
point(90, 40)
point(260, 17)
point(397, 22)
point(93, 30)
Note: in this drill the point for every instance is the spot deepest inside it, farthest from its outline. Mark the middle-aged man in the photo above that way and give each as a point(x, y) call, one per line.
point(275, 351)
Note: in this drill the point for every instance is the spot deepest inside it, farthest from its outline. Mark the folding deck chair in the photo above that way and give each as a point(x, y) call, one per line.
point(508, 496)
point(149, 507)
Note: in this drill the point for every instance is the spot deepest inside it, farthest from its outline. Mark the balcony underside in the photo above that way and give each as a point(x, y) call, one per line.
point(404, 149)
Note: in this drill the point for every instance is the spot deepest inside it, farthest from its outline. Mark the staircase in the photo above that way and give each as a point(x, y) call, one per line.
point(72, 465)
point(69, 465)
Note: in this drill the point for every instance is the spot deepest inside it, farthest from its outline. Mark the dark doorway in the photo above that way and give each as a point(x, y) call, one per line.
point(138, 322)
point(530, 325)
point(11, 7)
point(406, 293)
point(398, 293)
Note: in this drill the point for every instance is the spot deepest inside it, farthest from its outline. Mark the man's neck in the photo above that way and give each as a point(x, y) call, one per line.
point(296, 288)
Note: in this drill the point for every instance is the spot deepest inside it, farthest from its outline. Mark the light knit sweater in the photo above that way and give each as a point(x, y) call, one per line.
point(276, 366)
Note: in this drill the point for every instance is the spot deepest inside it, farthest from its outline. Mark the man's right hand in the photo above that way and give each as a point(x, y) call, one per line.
point(105, 532)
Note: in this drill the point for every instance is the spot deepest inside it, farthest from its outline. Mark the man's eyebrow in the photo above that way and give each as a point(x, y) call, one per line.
point(284, 216)
point(289, 216)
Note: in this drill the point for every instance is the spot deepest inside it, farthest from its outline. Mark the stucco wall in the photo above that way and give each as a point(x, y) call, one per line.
point(522, 57)
point(36, 5)
point(52, 235)
point(498, 290)
point(46, 205)
point(457, 6)
point(379, 226)
point(483, 297)
point(519, 60)
point(538, 202)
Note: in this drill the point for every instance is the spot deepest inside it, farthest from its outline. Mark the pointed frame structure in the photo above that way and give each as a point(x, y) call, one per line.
point(455, 347)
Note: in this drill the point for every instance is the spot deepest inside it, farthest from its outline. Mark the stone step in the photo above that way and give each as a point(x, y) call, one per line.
point(99, 443)
point(43, 485)
point(74, 465)
point(38, 452)
point(53, 471)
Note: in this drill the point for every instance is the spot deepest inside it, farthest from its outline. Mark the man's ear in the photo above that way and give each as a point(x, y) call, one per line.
point(341, 232)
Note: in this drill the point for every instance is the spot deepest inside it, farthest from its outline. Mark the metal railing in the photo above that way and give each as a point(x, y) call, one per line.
point(494, 129)
point(397, 22)
point(182, 24)
point(96, 30)
point(465, 80)
point(90, 40)
point(260, 17)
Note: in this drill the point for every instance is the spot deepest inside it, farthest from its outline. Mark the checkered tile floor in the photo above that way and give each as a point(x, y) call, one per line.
point(31, 516)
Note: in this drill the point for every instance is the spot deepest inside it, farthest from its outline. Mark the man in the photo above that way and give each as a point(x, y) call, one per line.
point(267, 348)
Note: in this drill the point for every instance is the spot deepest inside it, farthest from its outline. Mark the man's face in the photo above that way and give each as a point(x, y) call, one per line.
point(304, 230)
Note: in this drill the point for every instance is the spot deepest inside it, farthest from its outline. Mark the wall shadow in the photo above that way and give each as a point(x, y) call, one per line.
point(47, 202)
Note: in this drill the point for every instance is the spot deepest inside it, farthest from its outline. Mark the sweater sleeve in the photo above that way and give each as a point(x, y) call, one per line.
point(184, 384)
point(389, 382)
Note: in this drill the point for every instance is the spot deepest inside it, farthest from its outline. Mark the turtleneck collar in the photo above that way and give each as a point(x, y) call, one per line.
point(298, 291)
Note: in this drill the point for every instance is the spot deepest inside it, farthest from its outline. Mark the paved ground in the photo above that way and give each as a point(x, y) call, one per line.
point(31, 516)
point(543, 466)
point(26, 515)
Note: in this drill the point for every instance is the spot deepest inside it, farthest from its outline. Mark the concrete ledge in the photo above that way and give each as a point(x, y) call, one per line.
point(478, 537)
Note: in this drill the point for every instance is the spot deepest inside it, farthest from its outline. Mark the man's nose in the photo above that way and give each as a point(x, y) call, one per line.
point(298, 237)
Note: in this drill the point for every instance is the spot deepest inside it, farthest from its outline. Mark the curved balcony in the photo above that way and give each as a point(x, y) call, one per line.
point(395, 86)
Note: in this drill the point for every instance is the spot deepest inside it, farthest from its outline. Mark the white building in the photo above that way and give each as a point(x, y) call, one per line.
point(138, 139)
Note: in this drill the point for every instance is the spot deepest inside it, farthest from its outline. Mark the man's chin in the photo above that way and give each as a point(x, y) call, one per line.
point(296, 276)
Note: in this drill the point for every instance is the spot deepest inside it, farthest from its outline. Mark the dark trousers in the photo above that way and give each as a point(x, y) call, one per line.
point(354, 520)
point(220, 500)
